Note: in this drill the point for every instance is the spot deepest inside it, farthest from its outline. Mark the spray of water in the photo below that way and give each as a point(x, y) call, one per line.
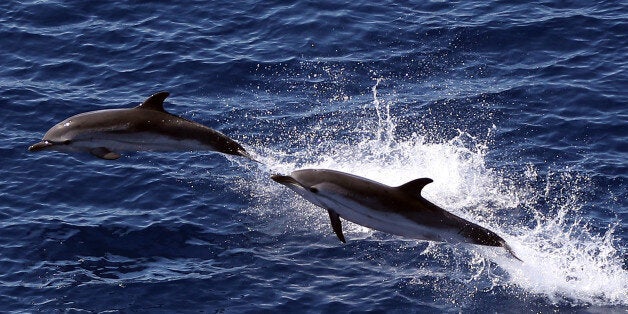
point(563, 260)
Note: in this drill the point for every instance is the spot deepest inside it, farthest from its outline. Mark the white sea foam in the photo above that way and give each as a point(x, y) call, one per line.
point(563, 260)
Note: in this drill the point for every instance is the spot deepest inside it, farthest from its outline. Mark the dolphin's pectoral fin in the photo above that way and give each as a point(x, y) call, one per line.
point(415, 186)
point(336, 225)
point(155, 102)
point(104, 153)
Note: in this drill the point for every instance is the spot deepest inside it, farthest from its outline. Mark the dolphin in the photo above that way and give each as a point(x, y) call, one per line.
point(397, 210)
point(147, 127)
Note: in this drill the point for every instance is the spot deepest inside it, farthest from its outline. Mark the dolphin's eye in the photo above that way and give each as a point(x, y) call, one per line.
point(314, 190)
point(66, 142)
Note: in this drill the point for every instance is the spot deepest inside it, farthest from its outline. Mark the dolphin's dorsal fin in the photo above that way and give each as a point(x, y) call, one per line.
point(336, 225)
point(415, 186)
point(155, 102)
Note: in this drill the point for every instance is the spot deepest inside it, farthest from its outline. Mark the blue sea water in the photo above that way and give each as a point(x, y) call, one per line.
point(517, 110)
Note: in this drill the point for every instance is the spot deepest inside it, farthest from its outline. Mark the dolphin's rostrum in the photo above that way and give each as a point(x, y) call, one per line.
point(396, 210)
point(147, 127)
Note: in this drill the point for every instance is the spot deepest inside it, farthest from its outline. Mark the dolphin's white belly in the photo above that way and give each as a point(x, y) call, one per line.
point(142, 141)
point(391, 222)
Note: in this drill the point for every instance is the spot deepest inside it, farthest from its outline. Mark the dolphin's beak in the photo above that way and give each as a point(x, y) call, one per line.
point(40, 146)
point(285, 180)
point(309, 193)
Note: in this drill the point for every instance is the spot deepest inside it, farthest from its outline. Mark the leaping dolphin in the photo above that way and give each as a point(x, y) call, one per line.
point(147, 127)
point(396, 210)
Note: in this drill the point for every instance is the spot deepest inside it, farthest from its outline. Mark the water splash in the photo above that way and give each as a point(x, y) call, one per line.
point(539, 217)
point(565, 260)
point(385, 125)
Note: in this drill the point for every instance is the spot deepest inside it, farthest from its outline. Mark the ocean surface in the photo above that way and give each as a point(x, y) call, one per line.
point(517, 110)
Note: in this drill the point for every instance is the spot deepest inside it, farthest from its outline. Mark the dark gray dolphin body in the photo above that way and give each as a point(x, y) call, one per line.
point(396, 210)
point(147, 127)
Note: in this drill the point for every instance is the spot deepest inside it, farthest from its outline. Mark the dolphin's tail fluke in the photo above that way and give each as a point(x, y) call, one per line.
point(242, 152)
point(509, 249)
